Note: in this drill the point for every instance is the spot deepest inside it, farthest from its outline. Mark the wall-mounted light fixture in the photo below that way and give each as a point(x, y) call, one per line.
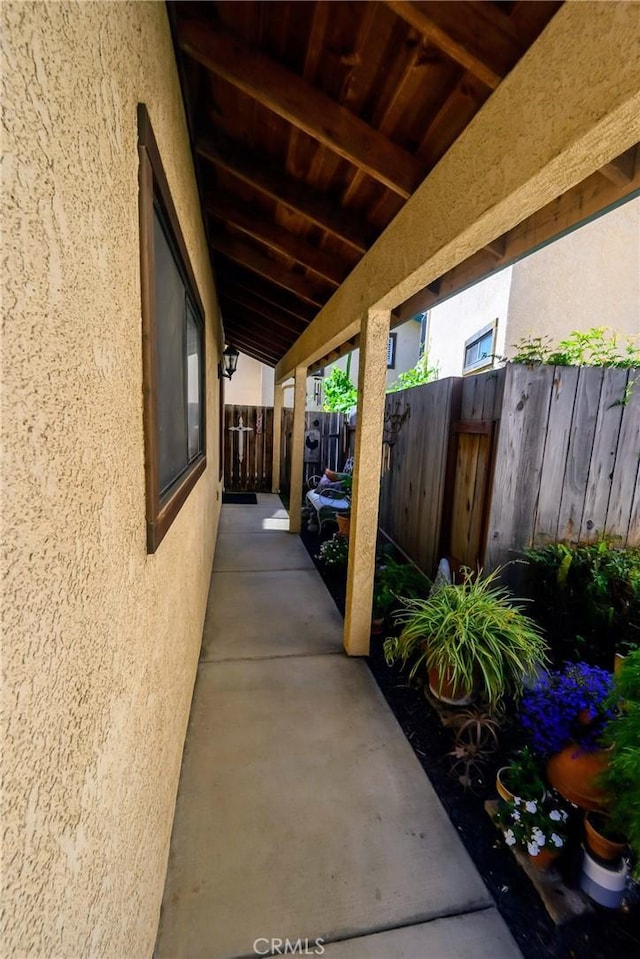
point(229, 363)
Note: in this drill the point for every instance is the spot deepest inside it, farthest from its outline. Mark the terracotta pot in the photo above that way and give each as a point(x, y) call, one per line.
point(503, 790)
point(574, 773)
point(344, 525)
point(618, 663)
point(545, 859)
point(599, 845)
point(444, 689)
point(377, 626)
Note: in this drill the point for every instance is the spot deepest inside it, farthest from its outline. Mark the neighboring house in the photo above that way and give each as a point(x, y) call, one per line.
point(588, 278)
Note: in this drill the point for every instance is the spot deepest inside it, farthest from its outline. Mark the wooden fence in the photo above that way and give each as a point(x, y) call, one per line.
point(326, 439)
point(248, 448)
point(487, 465)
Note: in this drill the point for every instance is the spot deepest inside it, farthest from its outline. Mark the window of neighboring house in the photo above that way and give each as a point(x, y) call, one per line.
point(479, 349)
point(391, 351)
point(172, 348)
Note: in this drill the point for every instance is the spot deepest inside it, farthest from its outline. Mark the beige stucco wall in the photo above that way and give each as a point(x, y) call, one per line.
point(590, 277)
point(451, 323)
point(101, 640)
point(251, 385)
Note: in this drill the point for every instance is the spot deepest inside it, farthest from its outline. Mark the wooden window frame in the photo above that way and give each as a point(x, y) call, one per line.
point(392, 345)
point(161, 511)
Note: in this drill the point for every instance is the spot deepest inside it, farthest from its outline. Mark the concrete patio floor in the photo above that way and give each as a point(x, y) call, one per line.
point(302, 812)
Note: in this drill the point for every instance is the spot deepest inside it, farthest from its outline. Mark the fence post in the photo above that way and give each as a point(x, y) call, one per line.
point(278, 394)
point(372, 375)
point(297, 449)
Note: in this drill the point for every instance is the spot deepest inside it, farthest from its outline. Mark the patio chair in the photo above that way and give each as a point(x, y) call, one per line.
point(323, 503)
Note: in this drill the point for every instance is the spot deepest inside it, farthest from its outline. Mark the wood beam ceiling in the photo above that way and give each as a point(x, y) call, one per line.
point(301, 104)
point(259, 227)
point(245, 317)
point(419, 19)
point(316, 207)
point(250, 349)
point(253, 335)
point(276, 296)
point(255, 261)
point(243, 297)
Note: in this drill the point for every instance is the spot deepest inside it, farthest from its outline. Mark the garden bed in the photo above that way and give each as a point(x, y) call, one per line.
point(603, 934)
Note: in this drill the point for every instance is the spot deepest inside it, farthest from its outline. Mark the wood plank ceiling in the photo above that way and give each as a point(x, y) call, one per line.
point(312, 123)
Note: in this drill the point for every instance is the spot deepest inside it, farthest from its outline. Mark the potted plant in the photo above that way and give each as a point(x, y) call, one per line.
point(334, 552)
point(469, 636)
point(539, 827)
point(564, 714)
point(621, 778)
point(521, 778)
point(394, 582)
point(383, 601)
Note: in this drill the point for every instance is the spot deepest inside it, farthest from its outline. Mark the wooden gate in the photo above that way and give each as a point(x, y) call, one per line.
point(248, 448)
point(472, 448)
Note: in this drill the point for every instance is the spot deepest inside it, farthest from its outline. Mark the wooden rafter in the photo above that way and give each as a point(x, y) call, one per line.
point(258, 226)
point(302, 105)
point(255, 335)
point(257, 172)
point(255, 261)
point(281, 335)
point(419, 19)
point(250, 349)
point(246, 298)
point(236, 276)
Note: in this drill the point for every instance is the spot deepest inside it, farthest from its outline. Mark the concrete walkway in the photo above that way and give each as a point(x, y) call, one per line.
point(302, 811)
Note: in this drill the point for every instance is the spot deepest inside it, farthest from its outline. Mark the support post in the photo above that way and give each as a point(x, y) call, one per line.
point(372, 376)
point(278, 396)
point(297, 449)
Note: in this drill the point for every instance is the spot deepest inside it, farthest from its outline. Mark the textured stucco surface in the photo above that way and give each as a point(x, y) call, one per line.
point(101, 640)
point(589, 278)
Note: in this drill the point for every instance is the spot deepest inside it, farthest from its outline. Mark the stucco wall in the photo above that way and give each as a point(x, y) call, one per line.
point(101, 640)
point(451, 323)
point(590, 277)
point(252, 383)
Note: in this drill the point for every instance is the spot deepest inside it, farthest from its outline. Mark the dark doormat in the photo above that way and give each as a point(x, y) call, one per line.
point(240, 499)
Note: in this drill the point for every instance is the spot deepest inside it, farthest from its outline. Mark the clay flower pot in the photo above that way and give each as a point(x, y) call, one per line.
point(599, 845)
point(344, 524)
point(503, 789)
point(545, 859)
point(574, 773)
point(448, 692)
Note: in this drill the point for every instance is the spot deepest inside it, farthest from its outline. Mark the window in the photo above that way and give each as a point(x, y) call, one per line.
point(479, 349)
point(172, 348)
point(391, 351)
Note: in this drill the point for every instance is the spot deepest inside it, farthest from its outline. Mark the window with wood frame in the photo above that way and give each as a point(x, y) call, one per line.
point(479, 349)
point(172, 348)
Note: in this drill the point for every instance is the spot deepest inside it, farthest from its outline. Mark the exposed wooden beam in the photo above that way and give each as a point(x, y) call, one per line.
point(269, 313)
point(307, 108)
point(250, 349)
point(255, 224)
point(420, 20)
point(254, 335)
point(231, 273)
point(498, 248)
point(257, 172)
point(241, 314)
point(621, 170)
point(257, 262)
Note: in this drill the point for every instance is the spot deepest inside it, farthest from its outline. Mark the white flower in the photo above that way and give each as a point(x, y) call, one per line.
point(533, 848)
point(556, 815)
point(531, 805)
point(509, 837)
point(516, 800)
point(515, 815)
point(564, 815)
point(556, 840)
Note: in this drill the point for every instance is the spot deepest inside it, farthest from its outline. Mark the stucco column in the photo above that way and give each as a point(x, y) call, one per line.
point(372, 377)
point(297, 448)
point(278, 396)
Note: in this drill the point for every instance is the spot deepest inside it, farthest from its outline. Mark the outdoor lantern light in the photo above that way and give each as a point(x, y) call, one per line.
point(230, 358)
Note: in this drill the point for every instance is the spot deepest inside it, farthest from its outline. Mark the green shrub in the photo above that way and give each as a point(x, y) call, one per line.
point(335, 552)
point(594, 347)
point(588, 600)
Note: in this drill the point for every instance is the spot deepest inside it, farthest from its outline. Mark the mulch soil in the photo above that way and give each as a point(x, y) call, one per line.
point(604, 934)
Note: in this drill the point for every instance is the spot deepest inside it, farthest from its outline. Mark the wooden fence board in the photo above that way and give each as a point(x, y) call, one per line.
point(633, 535)
point(563, 398)
point(603, 455)
point(519, 457)
point(626, 471)
point(581, 439)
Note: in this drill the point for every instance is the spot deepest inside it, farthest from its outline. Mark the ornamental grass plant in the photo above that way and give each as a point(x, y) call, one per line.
point(475, 631)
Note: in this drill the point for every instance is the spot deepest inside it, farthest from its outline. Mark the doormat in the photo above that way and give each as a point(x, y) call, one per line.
point(240, 499)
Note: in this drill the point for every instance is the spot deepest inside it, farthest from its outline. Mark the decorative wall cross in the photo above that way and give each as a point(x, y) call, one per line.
point(240, 429)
